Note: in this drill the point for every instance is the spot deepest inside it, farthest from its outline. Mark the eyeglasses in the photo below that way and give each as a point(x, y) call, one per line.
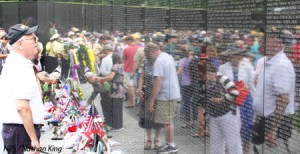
point(34, 38)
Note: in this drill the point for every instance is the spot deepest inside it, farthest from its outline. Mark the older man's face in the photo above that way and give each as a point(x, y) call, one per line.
point(29, 45)
point(91, 80)
point(150, 56)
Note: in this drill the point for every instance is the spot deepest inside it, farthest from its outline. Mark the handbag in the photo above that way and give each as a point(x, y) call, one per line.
point(142, 115)
point(258, 135)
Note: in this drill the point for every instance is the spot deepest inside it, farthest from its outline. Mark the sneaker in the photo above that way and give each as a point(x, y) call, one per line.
point(168, 149)
point(163, 146)
point(107, 128)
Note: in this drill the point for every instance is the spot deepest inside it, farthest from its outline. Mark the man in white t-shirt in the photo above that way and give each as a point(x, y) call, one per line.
point(106, 62)
point(274, 97)
point(105, 69)
point(165, 93)
point(22, 107)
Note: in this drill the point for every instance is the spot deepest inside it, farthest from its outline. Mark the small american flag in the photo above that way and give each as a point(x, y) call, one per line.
point(93, 122)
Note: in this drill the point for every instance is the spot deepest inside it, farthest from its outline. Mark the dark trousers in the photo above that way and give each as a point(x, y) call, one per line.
point(92, 97)
point(50, 64)
point(106, 107)
point(16, 139)
point(65, 68)
point(117, 113)
point(189, 108)
point(262, 126)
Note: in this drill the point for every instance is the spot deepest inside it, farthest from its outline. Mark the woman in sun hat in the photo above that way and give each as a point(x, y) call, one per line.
point(239, 68)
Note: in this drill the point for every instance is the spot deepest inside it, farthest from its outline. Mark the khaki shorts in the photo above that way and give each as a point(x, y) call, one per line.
point(165, 111)
point(127, 80)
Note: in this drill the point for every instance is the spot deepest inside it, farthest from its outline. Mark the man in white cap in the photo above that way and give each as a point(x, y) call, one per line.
point(49, 46)
point(91, 78)
point(24, 110)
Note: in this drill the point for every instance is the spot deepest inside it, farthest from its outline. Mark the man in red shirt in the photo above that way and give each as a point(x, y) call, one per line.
point(128, 59)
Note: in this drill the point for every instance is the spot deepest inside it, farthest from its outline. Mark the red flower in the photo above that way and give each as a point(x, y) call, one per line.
point(80, 125)
point(72, 128)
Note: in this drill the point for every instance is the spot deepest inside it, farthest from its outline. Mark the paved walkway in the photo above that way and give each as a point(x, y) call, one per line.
point(132, 137)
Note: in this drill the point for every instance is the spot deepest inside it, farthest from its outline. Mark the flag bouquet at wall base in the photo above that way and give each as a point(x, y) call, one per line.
point(79, 125)
point(67, 109)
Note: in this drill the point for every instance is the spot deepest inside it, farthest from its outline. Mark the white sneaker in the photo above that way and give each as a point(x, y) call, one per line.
point(163, 146)
point(169, 149)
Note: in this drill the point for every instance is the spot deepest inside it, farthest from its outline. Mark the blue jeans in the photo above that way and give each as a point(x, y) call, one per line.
point(246, 111)
point(188, 108)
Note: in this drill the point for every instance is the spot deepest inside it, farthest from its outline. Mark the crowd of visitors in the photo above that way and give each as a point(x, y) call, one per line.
point(160, 71)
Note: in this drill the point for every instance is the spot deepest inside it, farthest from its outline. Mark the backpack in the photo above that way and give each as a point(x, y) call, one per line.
point(237, 91)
